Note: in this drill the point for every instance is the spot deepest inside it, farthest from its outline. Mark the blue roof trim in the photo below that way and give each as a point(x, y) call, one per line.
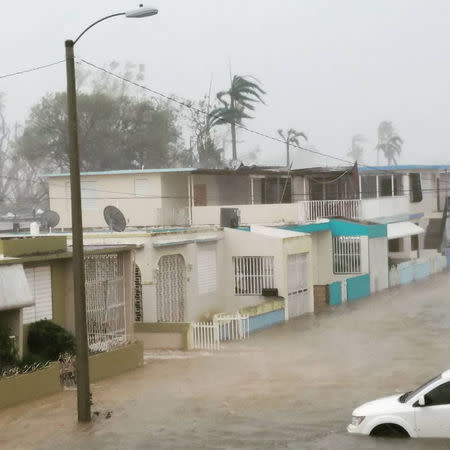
point(124, 172)
point(404, 167)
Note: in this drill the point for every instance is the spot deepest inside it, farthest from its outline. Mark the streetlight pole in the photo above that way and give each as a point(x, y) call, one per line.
point(79, 294)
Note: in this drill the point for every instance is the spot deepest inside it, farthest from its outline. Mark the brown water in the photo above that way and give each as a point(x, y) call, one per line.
point(291, 386)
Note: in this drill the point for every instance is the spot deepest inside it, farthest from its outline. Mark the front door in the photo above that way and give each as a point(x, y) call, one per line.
point(170, 289)
point(433, 419)
point(298, 293)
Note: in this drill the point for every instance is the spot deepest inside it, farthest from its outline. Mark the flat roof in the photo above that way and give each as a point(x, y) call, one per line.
point(404, 167)
point(125, 172)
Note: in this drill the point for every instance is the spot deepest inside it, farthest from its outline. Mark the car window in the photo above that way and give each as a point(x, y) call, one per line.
point(439, 395)
point(409, 395)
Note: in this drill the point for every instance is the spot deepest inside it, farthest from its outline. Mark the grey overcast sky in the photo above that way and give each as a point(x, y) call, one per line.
point(330, 68)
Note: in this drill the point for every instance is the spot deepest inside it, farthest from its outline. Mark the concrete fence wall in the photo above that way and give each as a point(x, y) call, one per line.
point(264, 315)
point(417, 269)
point(29, 386)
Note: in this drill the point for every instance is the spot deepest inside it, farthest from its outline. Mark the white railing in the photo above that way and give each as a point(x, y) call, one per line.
point(318, 209)
point(205, 336)
point(232, 326)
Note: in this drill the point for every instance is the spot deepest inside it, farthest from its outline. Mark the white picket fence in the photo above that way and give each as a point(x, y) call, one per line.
point(232, 326)
point(224, 327)
point(205, 336)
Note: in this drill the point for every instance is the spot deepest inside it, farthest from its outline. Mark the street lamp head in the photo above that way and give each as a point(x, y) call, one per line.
point(142, 11)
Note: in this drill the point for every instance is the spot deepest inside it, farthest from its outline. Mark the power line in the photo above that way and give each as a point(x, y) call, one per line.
point(188, 104)
point(31, 69)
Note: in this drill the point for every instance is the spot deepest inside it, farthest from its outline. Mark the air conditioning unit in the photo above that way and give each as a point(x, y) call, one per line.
point(230, 217)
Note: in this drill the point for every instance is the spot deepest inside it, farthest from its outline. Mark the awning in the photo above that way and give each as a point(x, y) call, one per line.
point(402, 229)
point(14, 290)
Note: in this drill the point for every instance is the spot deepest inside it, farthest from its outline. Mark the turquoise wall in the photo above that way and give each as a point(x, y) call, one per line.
point(336, 293)
point(358, 287)
point(342, 228)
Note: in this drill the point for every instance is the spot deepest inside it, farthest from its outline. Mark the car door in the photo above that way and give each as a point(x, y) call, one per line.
point(433, 419)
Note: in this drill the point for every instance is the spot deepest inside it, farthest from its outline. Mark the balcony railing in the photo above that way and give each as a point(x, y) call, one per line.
point(318, 209)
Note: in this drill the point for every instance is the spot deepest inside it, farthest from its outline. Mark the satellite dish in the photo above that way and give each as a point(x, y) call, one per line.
point(49, 219)
point(235, 164)
point(114, 218)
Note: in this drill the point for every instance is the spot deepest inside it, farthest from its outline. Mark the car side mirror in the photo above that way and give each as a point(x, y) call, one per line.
point(421, 401)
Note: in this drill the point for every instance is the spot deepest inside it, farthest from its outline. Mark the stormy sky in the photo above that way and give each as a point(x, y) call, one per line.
point(330, 68)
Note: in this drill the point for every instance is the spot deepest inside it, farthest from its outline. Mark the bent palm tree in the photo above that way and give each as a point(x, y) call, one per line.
point(389, 142)
point(291, 137)
point(236, 104)
point(390, 148)
point(356, 149)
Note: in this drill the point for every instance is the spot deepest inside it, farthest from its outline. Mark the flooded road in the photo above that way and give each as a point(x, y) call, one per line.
point(292, 386)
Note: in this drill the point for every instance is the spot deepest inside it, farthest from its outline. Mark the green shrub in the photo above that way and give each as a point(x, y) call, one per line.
point(8, 350)
point(47, 340)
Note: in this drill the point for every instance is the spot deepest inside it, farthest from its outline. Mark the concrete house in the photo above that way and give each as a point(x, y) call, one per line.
point(37, 283)
point(189, 275)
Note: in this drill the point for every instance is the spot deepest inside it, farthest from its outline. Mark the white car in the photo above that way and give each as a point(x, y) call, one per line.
point(424, 412)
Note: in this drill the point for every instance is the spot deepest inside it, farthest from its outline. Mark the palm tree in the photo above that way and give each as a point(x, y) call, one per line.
point(291, 137)
point(389, 142)
point(356, 149)
point(236, 104)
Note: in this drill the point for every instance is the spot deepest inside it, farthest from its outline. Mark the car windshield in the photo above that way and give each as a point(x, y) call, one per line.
point(409, 395)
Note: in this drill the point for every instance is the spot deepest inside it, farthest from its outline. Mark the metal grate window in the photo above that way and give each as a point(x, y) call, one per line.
point(105, 301)
point(346, 254)
point(252, 274)
point(138, 310)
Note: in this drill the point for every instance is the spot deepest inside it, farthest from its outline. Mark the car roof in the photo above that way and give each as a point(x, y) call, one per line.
point(446, 374)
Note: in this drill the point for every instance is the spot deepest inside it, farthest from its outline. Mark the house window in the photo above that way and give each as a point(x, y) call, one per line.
point(368, 186)
point(207, 271)
point(141, 187)
point(252, 274)
point(395, 245)
point(105, 301)
point(40, 283)
point(385, 185)
point(200, 195)
point(346, 254)
point(415, 188)
point(415, 242)
point(88, 194)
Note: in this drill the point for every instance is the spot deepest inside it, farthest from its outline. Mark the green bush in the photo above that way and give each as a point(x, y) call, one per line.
point(8, 351)
point(47, 340)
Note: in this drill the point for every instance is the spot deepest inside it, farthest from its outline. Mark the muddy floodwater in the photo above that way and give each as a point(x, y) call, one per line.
point(291, 386)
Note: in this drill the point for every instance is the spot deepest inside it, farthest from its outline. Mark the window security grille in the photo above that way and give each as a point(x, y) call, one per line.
point(138, 311)
point(346, 254)
point(252, 274)
point(105, 301)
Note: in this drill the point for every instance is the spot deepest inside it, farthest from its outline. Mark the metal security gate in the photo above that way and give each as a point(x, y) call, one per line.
point(170, 289)
point(105, 301)
point(298, 293)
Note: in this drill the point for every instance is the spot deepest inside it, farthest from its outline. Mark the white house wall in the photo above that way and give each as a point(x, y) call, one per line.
point(116, 190)
point(378, 264)
point(322, 255)
point(196, 305)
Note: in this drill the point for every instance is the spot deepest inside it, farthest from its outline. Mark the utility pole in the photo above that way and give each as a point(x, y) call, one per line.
point(79, 294)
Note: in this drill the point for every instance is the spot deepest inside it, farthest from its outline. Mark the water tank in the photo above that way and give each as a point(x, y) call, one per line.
point(34, 228)
point(230, 217)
